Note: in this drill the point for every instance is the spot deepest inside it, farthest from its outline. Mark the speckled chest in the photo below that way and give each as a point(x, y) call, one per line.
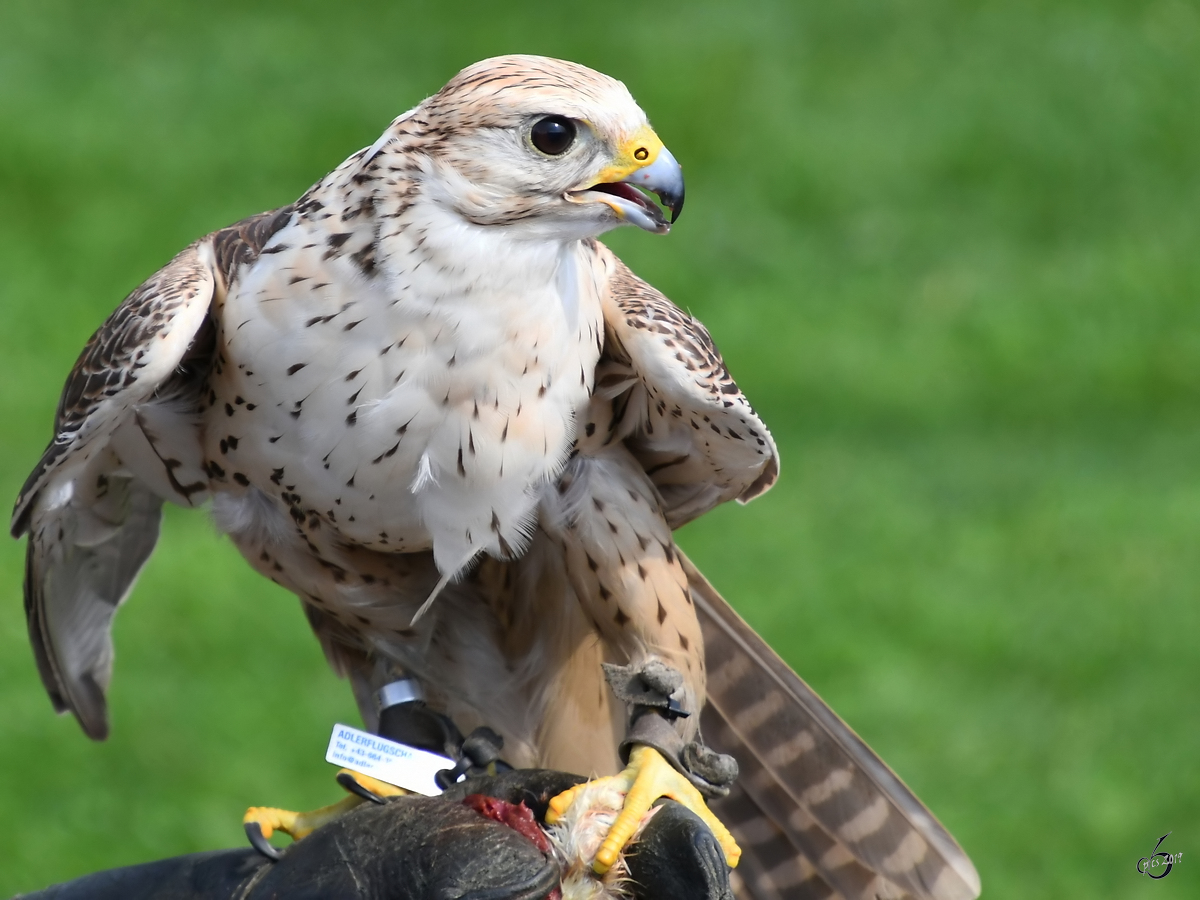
point(421, 397)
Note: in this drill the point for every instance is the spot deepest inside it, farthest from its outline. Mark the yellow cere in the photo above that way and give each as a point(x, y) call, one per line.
point(639, 150)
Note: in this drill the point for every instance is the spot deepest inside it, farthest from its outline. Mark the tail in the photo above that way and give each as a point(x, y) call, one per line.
point(816, 812)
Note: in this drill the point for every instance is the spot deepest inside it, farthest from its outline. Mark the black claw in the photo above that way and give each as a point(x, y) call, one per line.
point(260, 843)
point(350, 783)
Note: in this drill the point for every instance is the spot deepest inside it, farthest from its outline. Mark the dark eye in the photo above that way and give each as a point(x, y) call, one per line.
point(553, 135)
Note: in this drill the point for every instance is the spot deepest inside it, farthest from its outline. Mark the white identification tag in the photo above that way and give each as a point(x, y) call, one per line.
point(369, 754)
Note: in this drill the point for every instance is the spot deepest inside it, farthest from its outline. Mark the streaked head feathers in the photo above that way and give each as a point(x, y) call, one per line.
point(475, 145)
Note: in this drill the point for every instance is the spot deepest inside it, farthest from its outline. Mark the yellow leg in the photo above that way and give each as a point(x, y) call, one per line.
point(297, 824)
point(301, 824)
point(374, 785)
point(647, 778)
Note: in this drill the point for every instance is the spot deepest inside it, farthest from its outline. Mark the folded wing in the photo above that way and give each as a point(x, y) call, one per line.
point(126, 438)
point(675, 404)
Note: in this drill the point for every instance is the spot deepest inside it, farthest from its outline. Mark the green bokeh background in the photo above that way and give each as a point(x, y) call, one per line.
point(949, 250)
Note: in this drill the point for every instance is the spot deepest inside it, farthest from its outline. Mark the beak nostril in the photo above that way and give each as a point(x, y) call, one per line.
point(640, 154)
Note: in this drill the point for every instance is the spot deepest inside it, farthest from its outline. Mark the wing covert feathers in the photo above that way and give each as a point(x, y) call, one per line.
point(817, 813)
point(129, 357)
point(680, 412)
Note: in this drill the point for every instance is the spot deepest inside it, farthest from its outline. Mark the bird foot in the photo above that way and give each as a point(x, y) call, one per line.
point(261, 822)
point(647, 778)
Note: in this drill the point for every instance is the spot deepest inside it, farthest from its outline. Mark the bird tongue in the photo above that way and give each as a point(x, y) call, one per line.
point(620, 189)
point(630, 193)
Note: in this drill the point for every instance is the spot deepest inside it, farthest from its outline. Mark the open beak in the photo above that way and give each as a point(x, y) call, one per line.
point(642, 164)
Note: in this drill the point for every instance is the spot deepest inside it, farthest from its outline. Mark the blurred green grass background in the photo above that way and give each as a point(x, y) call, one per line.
point(949, 251)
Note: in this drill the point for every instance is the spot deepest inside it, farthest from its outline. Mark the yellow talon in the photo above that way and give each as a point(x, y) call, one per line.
point(647, 778)
point(301, 824)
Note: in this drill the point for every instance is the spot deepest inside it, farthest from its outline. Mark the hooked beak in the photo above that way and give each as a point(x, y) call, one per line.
point(643, 164)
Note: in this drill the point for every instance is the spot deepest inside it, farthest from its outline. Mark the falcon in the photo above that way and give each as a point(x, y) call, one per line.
point(426, 400)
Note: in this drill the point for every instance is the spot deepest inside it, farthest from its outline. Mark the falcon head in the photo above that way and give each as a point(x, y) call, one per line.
point(549, 148)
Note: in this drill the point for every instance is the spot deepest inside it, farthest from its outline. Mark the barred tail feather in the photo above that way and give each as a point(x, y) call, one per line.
point(816, 812)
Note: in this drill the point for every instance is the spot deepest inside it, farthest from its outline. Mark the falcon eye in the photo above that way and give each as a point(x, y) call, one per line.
point(553, 135)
